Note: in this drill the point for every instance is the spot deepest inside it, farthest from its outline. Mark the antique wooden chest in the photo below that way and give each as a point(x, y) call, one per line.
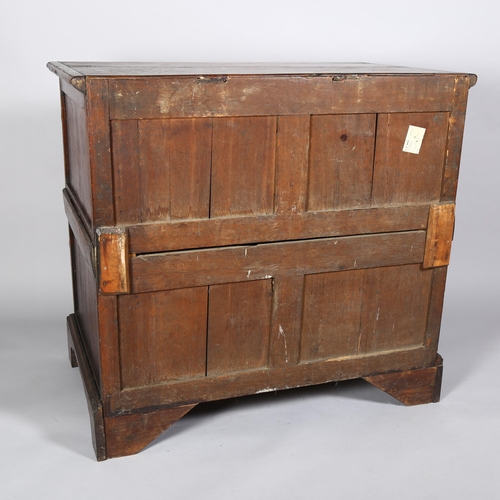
point(236, 229)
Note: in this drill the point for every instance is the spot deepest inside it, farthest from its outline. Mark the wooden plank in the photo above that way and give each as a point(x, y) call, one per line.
point(64, 118)
point(91, 389)
point(403, 177)
point(435, 312)
point(85, 301)
point(99, 137)
point(243, 166)
point(413, 387)
point(78, 168)
point(292, 156)
point(86, 222)
point(175, 158)
point(207, 70)
point(126, 171)
point(162, 336)
point(161, 169)
point(113, 260)
point(395, 308)
point(155, 178)
point(341, 161)
point(109, 351)
point(68, 74)
point(129, 434)
point(79, 230)
point(332, 315)
point(286, 320)
point(263, 380)
point(236, 264)
point(73, 93)
point(188, 145)
point(455, 136)
point(439, 235)
point(177, 96)
point(239, 320)
point(153, 238)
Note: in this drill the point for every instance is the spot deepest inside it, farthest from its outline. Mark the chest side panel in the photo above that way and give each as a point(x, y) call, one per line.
point(78, 176)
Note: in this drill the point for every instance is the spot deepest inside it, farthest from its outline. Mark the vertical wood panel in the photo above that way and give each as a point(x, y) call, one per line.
point(100, 152)
point(292, 164)
point(455, 138)
point(162, 336)
point(109, 350)
point(238, 326)
point(332, 313)
point(85, 297)
point(78, 168)
point(435, 311)
point(243, 166)
point(401, 177)
point(395, 307)
point(286, 320)
point(175, 158)
point(341, 161)
point(189, 159)
point(126, 172)
point(155, 177)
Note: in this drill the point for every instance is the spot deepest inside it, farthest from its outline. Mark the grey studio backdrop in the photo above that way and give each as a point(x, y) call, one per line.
point(347, 441)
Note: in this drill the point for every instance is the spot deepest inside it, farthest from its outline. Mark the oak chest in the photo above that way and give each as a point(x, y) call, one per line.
point(236, 229)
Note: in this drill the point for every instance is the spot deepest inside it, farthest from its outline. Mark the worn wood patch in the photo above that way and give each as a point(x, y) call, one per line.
point(439, 235)
point(113, 260)
point(175, 97)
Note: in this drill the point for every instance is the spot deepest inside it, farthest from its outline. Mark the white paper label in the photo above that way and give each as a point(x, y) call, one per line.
point(414, 139)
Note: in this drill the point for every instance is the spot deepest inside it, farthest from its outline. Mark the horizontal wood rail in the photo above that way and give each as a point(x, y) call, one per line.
point(268, 380)
point(242, 95)
point(173, 270)
point(208, 233)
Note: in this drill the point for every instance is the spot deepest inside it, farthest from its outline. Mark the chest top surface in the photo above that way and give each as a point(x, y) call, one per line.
point(72, 70)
